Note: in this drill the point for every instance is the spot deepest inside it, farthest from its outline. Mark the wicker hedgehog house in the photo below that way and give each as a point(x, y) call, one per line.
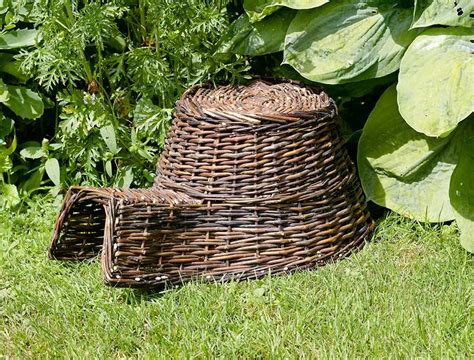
point(253, 180)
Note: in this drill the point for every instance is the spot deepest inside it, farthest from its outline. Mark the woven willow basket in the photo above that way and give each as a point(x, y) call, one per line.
point(253, 180)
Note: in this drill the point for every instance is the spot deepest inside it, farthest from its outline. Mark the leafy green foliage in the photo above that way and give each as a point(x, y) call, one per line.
point(264, 37)
point(258, 9)
point(9, 195)
point(15, 39)
point(422, 177)
point(19, 102)
point(88, 87)
point(461, 191)
point(112, 71)
point(403, 169)
point(347, 41)
point(23, 102)
point(443, 12)
point(434, 99)
point(404, 163)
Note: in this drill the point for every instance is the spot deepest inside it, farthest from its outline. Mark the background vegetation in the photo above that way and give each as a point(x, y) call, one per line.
point(87, 88)
point(107, 74)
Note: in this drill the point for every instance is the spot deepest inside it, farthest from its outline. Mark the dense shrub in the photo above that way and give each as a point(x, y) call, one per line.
point(112, 71)
point(19, 103)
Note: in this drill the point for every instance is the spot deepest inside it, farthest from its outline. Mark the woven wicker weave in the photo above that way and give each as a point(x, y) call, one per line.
point(253, 179)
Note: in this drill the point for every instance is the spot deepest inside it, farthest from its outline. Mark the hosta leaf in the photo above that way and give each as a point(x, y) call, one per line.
point(405, 170)
point(24, 102)
point(360, 88)
point(264, 37)
point(258, 9)
point(443, 12)
point(467, 232)
point(53, 170)
point(461, 191)
point(14, 39)
point(436, 80)
point(347, 41)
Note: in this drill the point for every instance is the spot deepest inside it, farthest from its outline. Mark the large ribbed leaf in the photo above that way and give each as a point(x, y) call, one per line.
point(258, 9)
point(435, 88)
point(462, 191)
point(403, 170)
point(264, 37)
point(443, 12)
point(347, 41)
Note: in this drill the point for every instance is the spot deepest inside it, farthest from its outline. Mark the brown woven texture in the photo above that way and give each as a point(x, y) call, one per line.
point(253, 180)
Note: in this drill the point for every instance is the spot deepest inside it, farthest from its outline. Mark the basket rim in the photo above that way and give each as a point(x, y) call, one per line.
point(189, 106)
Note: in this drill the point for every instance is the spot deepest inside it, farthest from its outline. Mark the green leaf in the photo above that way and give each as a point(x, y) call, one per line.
point(126, 178)
point(32, 152)
point(5, 58)
point(4, 94)
point(108, 134)
point(442, 12)
point(5, 161)
point(467, 233)
point(53, 170)
point(15, 39)
point(348, 41)
point(24, 102)
point(436, 80)
point(8, 195)
point(360, 88)
point(10, 148)
point(3, 7)
point(117, 42)
point(264, 37)
point(6, 126)
point(13, 68)
point(33, 182)
point(461, 191)
point(405, 170)
point(258, 9)
point(7, 144)
point(259, 292)
point(108, 168)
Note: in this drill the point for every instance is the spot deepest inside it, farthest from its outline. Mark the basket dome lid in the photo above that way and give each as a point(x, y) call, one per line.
point(282, 102)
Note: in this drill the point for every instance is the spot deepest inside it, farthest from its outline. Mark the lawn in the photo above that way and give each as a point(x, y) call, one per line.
point(407, 293)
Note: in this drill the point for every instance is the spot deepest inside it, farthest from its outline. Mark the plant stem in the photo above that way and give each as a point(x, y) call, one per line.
point(141, 9)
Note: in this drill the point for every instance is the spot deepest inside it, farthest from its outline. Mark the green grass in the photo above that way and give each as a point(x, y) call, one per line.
point(407, 293)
